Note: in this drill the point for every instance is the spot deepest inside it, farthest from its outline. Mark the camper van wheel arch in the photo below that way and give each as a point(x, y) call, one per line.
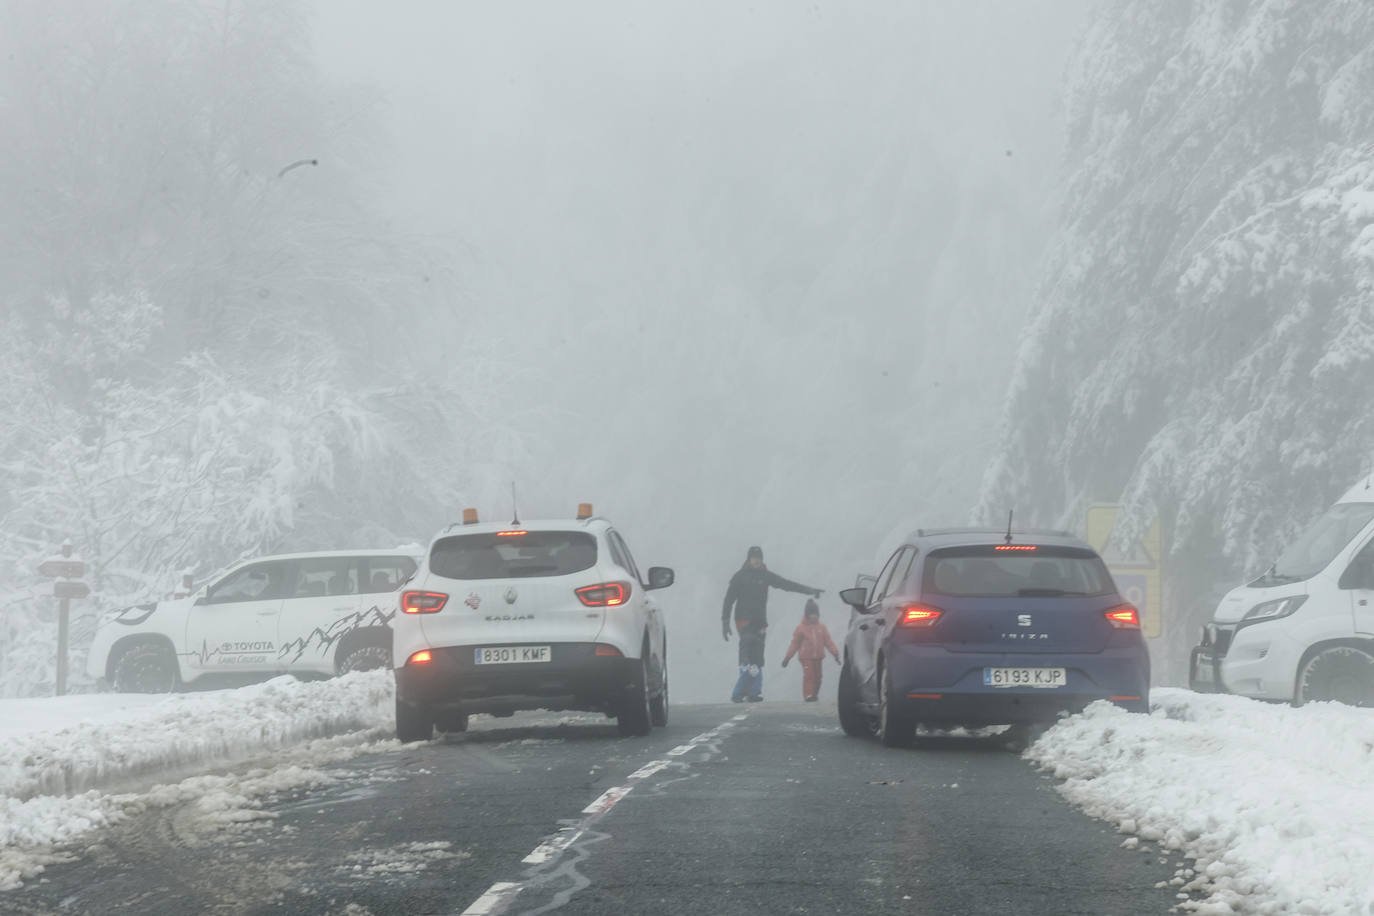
point(1341, 670)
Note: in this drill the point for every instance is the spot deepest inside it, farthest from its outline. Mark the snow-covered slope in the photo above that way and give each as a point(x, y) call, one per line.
point(1274, 804)
point(1203, 342)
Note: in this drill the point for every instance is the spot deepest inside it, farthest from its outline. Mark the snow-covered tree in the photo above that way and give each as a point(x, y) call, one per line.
point(1204, 334)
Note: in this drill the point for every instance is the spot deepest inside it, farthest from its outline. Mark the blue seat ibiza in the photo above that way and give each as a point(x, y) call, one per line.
point(975, 627)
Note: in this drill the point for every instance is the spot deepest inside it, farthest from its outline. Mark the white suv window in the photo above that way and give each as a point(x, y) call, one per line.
point(322, 576)
point(258, 582)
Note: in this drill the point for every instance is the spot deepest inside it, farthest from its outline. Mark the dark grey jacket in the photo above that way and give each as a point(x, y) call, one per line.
point(747, 596)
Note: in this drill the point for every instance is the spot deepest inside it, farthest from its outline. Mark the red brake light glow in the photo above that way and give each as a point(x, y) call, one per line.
point(919, 615)
point(1123, 617)
point(423, 657)
point(510, 534)
point(606, 594)
point(607, 651)
point(1015, 547)
point(423, 602)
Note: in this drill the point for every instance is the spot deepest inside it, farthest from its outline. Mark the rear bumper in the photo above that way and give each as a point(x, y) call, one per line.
point(949, 686)
point(575, 677)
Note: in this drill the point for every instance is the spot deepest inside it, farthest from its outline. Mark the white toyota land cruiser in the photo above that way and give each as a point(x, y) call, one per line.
point(305, 613)
point(536, 615)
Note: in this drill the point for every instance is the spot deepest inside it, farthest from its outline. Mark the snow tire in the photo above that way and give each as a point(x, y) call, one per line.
point(1341, 673)
point(635, 719)
point(146, 667)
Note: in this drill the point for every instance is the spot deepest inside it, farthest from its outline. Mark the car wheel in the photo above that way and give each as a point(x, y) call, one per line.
point(894, 729)
point(854, 722)
point(658, 706)
point(635, 718)
point(147, 668)
point(1342, 673)
point(450, 722)
point(364, 658)
point(413, 723)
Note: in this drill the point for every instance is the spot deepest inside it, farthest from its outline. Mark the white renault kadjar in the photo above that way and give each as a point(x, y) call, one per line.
point(307, 613)
point(534, 615)
point(1303, 631)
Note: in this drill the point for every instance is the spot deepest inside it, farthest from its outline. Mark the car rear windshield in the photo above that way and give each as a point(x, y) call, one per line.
point(984, 571)
point(495, 555)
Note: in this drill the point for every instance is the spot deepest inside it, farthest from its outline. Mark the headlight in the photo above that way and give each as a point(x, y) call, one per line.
point(1273, 610)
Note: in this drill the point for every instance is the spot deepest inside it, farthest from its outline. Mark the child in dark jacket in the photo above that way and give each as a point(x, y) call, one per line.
point(810, 641)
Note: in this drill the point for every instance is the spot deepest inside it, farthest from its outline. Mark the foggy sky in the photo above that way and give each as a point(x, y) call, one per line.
point(777, 253)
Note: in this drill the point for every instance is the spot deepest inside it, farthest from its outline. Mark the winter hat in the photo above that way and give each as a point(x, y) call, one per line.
point(811, 608)
point(755, 551)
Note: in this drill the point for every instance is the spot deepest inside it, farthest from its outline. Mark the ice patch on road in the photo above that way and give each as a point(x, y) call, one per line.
point(405, 859)
point(1275, 804)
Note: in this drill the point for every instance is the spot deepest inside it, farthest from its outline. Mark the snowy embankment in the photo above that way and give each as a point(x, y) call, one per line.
point(1274, 804)
point(61, 758)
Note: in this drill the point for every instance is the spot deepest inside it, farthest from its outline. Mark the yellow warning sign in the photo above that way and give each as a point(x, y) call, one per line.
point(1135, 569)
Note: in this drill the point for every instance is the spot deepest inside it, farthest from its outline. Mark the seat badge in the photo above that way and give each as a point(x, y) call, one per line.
point(1023, 620)
point(511, 595)
point(473, 600)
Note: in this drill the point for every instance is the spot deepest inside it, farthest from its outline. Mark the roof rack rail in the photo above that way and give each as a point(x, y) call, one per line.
point(935, 532)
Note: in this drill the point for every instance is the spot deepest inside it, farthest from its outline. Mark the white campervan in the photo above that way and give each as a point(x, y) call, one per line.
point(1303, 631)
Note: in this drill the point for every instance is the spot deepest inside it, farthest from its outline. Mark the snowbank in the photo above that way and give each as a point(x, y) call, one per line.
point(61, 757)
point(1275, 804)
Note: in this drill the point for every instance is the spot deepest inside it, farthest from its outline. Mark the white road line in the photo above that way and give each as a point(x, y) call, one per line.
point(740, 718)
point(496, 895)
point(649, 769)
point(499, 895)
point(549, 849)
point(607, 800)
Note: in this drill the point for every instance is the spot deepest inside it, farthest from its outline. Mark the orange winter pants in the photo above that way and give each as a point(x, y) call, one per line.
point(811, 676)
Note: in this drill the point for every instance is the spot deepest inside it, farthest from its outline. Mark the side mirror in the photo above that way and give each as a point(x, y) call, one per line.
point(659, 577)
point(865, 581)
point(857, 598)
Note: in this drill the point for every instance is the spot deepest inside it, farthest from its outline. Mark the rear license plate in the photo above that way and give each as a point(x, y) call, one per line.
point(1025, 677)
point(507, 655)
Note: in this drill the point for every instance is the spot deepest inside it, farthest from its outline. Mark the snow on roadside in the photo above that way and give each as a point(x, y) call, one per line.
point(1275, 804)
point(54, 784)
point(180, 730)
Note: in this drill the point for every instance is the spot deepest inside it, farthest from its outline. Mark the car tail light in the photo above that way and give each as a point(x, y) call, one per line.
point(607, 651)
point(1015, 547)
point(511, 534)
point(423, 602)
point(1123, 617)
point(606, 594)
point(919, 615)
point(423, 657)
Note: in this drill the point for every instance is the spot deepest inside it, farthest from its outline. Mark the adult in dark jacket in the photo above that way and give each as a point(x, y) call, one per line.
point(747, 600)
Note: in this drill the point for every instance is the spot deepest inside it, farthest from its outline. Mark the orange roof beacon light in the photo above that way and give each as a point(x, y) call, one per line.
point(584, 511)
point(469, 516)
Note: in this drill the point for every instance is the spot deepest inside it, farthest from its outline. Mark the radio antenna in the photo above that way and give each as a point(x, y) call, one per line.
point(514, 506)
point(1009, 513)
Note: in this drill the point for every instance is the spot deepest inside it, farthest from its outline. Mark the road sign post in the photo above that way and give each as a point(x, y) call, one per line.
point(67, 570)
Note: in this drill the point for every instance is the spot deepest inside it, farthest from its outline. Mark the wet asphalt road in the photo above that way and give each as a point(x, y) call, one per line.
point(775, 812)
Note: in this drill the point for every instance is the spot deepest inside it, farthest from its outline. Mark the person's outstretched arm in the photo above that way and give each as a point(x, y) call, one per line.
point(787, 585)
point(730, 598)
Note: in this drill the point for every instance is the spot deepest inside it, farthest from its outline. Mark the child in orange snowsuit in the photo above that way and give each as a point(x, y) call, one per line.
point(810, 641)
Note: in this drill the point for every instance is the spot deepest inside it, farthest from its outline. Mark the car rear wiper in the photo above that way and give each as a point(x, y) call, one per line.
point(1048, 593)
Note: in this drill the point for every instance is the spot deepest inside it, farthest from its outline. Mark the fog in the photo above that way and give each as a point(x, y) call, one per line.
point(753, 273)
